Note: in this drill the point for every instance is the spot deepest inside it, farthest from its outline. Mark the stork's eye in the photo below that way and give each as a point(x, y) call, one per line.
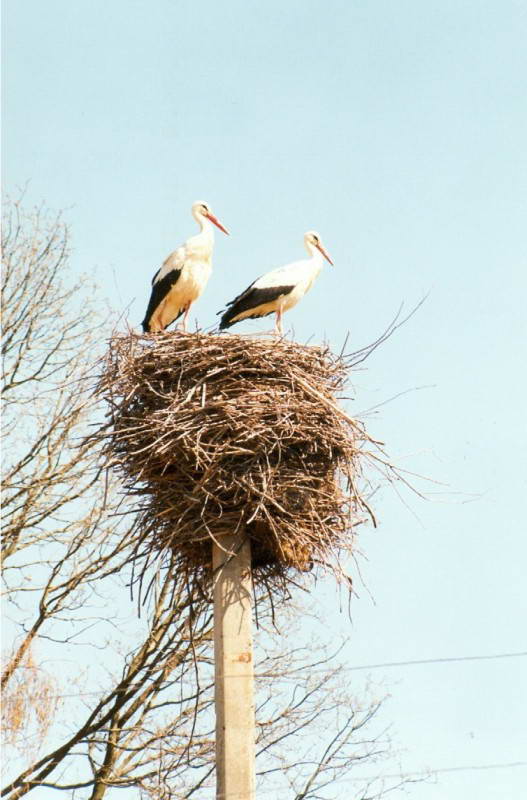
point(204, 207)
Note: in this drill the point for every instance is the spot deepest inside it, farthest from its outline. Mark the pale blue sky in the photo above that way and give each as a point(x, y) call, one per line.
point(398, 130)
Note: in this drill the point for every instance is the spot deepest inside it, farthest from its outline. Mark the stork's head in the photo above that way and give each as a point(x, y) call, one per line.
point(312, 240)
point(201, 210)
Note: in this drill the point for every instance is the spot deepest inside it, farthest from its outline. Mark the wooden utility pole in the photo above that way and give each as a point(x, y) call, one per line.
point(234, 671)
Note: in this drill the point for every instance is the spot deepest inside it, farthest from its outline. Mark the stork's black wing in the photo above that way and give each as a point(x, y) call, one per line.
point(160, 289)
point(252, 298)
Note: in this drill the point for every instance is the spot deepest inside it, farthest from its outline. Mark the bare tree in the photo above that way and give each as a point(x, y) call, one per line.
point(54, 491)
point(128, 699)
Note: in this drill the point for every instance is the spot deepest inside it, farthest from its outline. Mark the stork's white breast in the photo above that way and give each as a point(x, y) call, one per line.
point(193, 279)
point(195, 265)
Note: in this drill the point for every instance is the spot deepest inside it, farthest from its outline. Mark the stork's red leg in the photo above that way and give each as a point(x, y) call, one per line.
point(185, 317)
point(278, 322)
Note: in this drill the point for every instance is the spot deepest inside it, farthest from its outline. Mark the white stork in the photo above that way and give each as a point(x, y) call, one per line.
point(183, 276)
point(279, 290)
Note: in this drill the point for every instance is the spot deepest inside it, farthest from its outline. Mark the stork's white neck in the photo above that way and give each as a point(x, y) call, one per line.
point(315, 254)
point(206, 233)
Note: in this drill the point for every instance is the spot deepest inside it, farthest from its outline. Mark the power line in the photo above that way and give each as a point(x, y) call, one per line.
point(386, 664)
point(481, 766)
point(430, 771)
point(442, 660)
point(418, 774)
point(413, 662)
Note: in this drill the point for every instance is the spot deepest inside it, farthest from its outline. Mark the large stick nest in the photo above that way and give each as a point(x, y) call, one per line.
point(218, 433)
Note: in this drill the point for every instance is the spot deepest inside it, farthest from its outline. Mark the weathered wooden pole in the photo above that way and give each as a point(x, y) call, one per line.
point(233, 665)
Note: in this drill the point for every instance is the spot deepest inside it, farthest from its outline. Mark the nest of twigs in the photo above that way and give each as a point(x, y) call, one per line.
point(219, 433)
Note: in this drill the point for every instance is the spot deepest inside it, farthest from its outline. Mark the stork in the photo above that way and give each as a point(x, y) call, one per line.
point(279, 290)
point(183, 275)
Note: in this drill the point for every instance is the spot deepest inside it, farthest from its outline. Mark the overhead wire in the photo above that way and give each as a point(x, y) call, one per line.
point(411, 662)
point(440, 660)
point(429, 771)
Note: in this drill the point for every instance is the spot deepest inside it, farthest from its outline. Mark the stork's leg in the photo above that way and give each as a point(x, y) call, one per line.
point(182, 326)
point(185, 317)
point(278, 323)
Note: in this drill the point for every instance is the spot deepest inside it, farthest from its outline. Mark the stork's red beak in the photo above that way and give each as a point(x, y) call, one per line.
point(324, 253)
point(217, 223)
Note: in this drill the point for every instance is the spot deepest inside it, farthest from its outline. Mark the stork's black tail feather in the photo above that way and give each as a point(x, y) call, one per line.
point(226, 320)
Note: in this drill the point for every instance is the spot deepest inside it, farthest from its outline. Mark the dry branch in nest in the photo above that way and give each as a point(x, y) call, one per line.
point(217, 432)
